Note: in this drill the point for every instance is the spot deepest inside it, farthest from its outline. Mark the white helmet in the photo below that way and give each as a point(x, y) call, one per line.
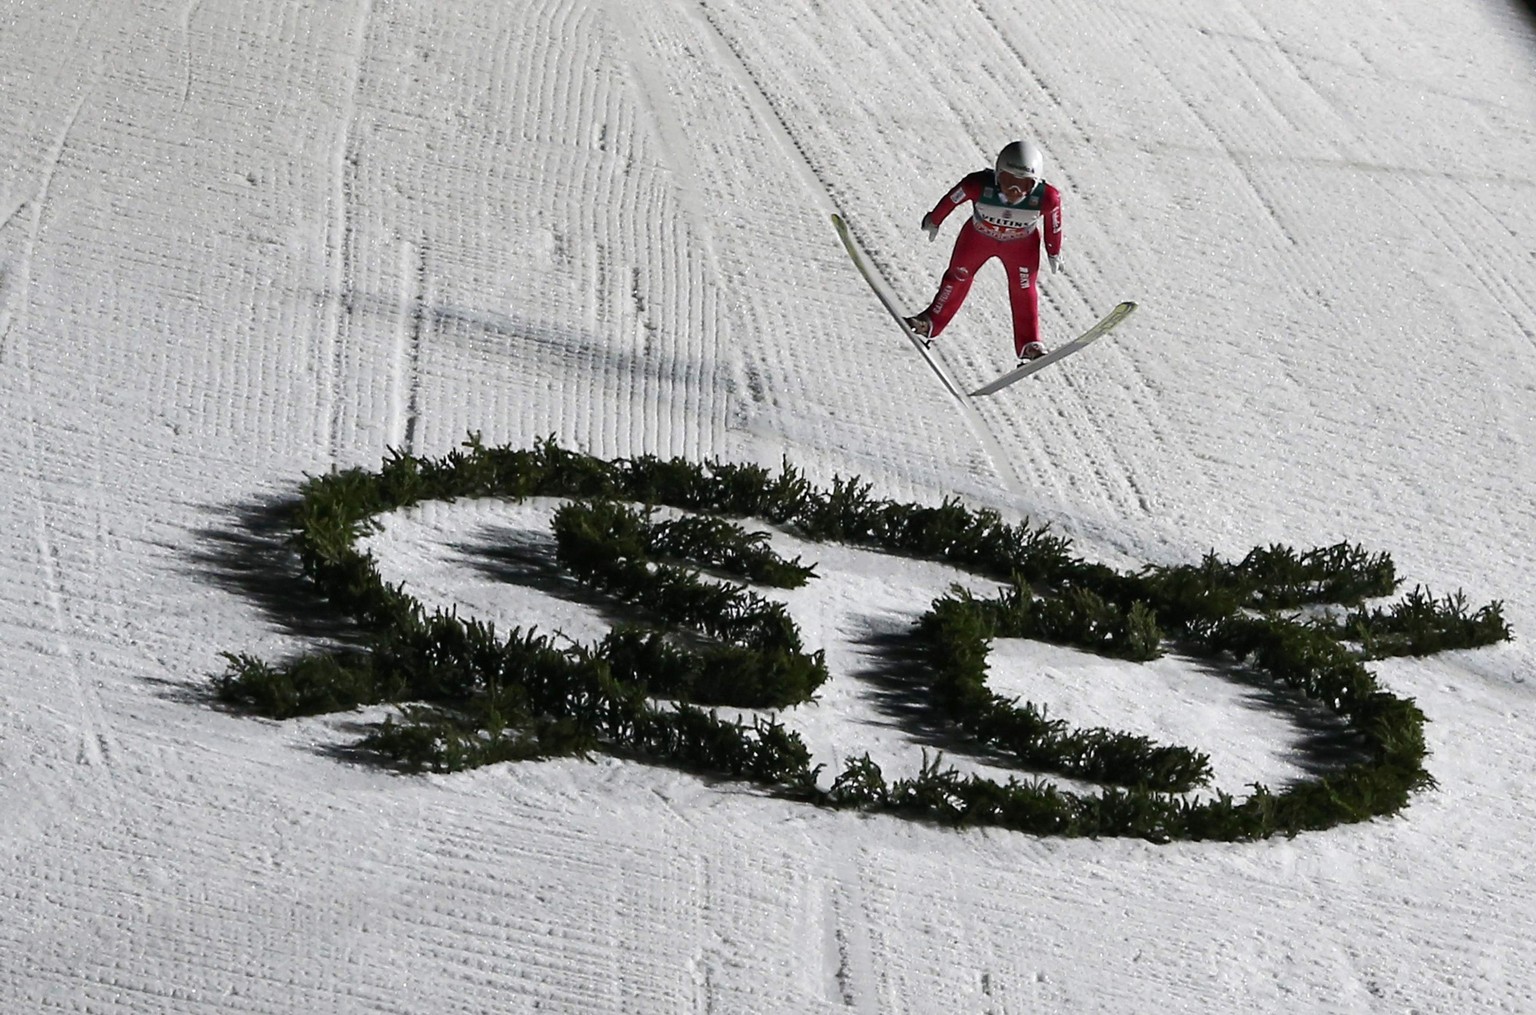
point(1021, 158)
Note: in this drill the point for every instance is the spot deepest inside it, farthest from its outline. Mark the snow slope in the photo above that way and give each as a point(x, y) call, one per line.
point(245, 241)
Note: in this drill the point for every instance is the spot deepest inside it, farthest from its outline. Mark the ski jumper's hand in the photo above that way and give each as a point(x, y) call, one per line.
point(931, 228)
point(1055, 260)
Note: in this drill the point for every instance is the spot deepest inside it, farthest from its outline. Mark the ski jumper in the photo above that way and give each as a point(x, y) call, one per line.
point(1009, 232)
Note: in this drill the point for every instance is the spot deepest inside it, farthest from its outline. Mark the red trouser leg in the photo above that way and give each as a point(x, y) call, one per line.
point(972, 250)
point(1022, 259)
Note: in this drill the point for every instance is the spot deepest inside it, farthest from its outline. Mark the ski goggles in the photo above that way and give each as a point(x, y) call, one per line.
point(1008, 181)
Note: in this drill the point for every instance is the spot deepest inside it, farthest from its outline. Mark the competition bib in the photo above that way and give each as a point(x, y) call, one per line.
point(1003, 221)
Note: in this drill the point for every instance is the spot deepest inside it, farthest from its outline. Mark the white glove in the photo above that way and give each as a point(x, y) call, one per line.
point(1055, 262)
point(931, 228)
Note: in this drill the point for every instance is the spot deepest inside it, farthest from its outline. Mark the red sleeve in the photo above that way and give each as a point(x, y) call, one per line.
point(1050, 216)
point(968, 189)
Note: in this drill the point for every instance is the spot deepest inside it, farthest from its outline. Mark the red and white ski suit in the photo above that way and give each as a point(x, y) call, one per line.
point(1008, 232)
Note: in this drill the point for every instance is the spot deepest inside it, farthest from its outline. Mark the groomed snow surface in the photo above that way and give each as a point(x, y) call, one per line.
point(242, 241)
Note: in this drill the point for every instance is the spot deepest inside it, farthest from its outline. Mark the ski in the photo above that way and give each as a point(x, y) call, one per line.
point(1094, 333)
point(877, 284)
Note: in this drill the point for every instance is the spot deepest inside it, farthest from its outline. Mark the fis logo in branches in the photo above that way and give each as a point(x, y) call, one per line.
point(649, 689)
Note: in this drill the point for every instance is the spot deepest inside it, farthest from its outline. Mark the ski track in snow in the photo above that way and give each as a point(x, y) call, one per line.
point(19, 291)
point(245, 242)
point(341, 241)
point(188, 13)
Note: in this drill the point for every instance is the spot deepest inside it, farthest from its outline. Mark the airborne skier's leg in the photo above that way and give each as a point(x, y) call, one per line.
point(1022, 259)
point(972, 250)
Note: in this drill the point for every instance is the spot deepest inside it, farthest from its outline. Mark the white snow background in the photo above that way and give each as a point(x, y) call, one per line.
point(242, 241)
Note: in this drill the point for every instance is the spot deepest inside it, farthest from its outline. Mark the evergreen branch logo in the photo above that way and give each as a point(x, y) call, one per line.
point(652, 689)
